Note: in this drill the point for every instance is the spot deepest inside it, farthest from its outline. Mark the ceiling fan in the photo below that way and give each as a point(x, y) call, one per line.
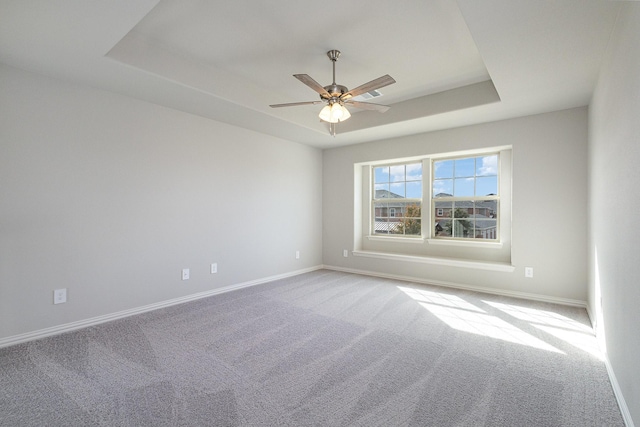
point(336, 96)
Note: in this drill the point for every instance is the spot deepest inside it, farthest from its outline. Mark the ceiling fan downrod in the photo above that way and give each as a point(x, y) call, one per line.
point(334, 89)
point(333, 56)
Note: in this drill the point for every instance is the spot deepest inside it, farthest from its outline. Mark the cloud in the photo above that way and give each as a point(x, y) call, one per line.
point(410, 172)
point(439, 186)
point(489, 165)
point(414, 171)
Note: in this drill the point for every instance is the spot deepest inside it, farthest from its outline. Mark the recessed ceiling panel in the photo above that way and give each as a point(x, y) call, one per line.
point(425, 46)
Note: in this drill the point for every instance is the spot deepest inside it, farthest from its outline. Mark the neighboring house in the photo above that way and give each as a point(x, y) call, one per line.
point(391, 209)
point(482, 214)
point(388, 214)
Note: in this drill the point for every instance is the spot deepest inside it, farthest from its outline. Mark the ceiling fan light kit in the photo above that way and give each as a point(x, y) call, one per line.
point(334, 113)
point(335, 96)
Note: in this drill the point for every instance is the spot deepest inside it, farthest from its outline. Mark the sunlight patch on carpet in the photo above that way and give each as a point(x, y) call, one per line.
point(464, 316)
point(572, 332)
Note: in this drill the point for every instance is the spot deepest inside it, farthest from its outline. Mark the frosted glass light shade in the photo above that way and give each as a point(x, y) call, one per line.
point(325, 113)
point(345, 113)
point(334, 113)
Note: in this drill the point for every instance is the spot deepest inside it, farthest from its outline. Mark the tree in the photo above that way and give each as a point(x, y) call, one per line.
point(459, 223)
point(410, 222)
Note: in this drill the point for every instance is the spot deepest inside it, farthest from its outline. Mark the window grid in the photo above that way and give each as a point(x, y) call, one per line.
point(397, 199)
point(458, 215)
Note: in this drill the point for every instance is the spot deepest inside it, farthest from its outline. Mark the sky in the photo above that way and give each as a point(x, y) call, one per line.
point(467, 177)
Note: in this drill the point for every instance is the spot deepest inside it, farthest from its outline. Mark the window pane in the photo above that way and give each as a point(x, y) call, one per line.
point(381, 226)
point(408, 221)
point(397, 173)
point(486, 229)
point(465, 167)
point(463, 228)
point(442, 188)
point(463, 187)
point(486, 185)
point(487, 165)
point(382, 191)
point(443, 210)
point(443, 228)
point(414, 189)
point(409, 227)
point(462, 209)
point(414, 172)
point(486, 209)
point(397, 190)
point(411, 210)
point(380, 210)
point(381, 174)
point(443, 169)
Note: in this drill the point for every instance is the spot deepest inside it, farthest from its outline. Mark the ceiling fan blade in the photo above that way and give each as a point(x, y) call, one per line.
point(368, 106)
point(306, 79)
point(294, 104)
point(383, 81)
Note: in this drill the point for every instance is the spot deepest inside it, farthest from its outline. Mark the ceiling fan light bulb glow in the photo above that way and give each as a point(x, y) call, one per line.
point(325, 113)
point(336, 113)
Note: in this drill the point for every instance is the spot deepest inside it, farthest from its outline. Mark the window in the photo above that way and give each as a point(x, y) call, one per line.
point(465, 197)
point(397, 199)
point(446, 208)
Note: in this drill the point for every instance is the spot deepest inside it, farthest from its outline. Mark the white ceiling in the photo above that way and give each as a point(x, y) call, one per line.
point(455, 62)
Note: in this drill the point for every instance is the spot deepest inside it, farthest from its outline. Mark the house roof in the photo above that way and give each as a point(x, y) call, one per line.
point(386, 194)
point(456, 62)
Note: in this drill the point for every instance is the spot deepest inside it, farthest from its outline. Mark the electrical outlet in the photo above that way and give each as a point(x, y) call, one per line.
point(528, 272)
point(214, 268)
point(185, 274)
point(297, 254)
point(60, 296)
point(345, 253)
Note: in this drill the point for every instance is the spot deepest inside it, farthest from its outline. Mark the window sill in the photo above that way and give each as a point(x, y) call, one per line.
point(465, 243)
point(416, 239)
point(437, 242)
point(478, 265)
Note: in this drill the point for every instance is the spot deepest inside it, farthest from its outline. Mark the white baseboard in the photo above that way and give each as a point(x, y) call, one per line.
point(515, 294)
point(622, 404)
point(67, 327)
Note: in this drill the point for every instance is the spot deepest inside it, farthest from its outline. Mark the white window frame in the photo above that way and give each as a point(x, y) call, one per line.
point(473, 253)
point(453, 199)
point(373, 200)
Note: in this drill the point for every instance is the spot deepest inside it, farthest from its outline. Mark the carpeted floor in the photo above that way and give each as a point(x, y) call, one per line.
point(320, 349)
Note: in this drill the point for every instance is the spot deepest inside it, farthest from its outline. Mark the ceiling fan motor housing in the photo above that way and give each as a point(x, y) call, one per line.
point(335, 90)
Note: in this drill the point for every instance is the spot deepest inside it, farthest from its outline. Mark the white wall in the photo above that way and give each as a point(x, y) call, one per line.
point(549, 203)
point(111, 197)
point(614, 226)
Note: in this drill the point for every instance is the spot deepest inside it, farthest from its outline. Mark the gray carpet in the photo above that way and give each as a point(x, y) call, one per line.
point(320, 349)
